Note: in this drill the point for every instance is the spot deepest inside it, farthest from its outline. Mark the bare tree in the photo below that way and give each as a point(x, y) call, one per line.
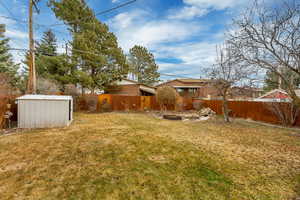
point(286, 112)
point(229, 71)
point(269, 37)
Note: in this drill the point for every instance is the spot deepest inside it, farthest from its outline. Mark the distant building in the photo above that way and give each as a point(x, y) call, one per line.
point(198, 88)
point(245, 93)
point(275, 95)
point(131, 88)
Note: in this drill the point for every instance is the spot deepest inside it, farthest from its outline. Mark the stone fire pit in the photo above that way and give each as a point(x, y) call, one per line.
point(202, 115)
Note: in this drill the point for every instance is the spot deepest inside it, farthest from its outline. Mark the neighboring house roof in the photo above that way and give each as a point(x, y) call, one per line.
point(187, 81)
point(188, 86)
point(129, 82)
point(143, 87)
point(278, 94)
point(194, 80)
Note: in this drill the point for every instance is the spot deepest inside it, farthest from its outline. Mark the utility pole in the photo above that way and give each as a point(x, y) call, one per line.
point(31, 87)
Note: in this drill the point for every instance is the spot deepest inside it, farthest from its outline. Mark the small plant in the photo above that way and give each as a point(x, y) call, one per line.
point(105, 106)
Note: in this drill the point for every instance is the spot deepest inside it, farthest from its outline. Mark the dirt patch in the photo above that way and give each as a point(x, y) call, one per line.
point(12, 167)
point(158, 158)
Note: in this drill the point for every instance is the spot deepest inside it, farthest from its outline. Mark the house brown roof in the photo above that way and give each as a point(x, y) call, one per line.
point(194, 80)
point(187, 81)
point(139, 83)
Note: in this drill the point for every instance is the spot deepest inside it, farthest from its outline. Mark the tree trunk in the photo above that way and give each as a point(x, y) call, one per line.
point(225, 109)
point(93, 91)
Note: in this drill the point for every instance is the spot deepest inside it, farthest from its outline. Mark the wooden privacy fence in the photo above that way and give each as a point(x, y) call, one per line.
point(257, 111)
point(124, 103)
point(139, 103)
point(4, 100)
point(3, 108)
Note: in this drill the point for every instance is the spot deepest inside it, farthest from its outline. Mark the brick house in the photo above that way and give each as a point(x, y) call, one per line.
point(131, 88)
point(197, 88)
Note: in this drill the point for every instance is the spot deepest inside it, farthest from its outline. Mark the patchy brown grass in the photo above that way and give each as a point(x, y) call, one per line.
point(136, 156)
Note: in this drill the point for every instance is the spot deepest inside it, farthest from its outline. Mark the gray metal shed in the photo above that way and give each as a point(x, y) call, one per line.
point(44, 111)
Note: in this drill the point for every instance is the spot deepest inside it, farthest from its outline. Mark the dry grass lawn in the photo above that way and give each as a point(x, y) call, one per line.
point(136, 156)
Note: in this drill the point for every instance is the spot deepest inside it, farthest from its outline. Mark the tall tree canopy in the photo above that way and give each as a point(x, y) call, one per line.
point(95, 50)
point(50, 64)
point(7, 65)
point(46, 50)
point(143, 66)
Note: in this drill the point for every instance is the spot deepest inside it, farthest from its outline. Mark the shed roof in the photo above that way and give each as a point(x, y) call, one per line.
point(44, 97)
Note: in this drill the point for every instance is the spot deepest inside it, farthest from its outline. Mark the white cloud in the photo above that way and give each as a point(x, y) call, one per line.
point(7, 21)
point(215, 4)
point(187, 12)
point(167, 39)
point(136, 28)
point(199, 8)
point(193, 56)
point(12, 33)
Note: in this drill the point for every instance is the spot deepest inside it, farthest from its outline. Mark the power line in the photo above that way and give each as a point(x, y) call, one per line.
point(115, 8)
point(10, 13)
point(100, 13)
point(7, 9)
point(184, 76)
point(60, 24)
point(13, 18)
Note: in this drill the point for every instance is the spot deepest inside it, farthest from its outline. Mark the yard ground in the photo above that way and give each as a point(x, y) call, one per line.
point(136, 156)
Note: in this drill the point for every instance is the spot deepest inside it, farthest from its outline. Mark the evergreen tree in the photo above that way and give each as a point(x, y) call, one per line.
point(51, 65)
point(46, 50)
point(48, 44)
point(272, 80)
point(7, 65)
point(143, 66)
point(2, 30)
point(95, 50)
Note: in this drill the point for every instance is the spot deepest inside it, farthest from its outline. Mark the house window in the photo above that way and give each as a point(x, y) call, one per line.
point(179, 90)
point(192, 90)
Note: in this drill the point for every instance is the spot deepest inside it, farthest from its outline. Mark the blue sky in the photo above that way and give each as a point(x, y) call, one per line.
point(182, 34)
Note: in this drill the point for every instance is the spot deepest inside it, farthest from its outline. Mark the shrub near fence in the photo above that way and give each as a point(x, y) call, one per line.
point(257, 111)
